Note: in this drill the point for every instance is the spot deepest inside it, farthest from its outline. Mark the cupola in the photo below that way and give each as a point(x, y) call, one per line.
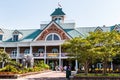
point(58, 15)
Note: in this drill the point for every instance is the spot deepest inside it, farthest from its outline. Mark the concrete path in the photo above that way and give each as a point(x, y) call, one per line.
point(52, 75)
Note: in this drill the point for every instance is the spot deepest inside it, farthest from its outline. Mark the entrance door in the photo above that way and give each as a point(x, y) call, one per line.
point(52, 63)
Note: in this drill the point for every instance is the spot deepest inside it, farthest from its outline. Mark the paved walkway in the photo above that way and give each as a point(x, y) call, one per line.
point(52, 75)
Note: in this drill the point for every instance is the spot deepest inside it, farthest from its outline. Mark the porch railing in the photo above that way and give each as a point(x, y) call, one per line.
point(21, 55)
point(38, 54)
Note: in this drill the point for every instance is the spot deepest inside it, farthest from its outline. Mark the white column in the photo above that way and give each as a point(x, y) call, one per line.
point(76, 65)
point(60, 55)
point(17, 54)
point(45, 55)
point(31, 49)
point(111, 65)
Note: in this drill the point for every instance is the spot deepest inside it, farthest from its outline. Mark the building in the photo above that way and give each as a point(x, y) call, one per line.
point(45, 43)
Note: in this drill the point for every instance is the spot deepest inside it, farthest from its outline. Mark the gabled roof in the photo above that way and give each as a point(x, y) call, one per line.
point(57, 12)
point(53, 22)
point(16, 32)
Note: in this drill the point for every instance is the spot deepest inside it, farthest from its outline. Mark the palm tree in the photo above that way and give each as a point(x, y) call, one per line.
point(4, 57)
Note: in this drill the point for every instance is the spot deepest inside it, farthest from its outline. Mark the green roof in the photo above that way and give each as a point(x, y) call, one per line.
point(27, 35)
point(73, 33)
point(58, 11)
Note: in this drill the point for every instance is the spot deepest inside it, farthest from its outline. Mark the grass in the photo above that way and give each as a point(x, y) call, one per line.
point(98, 75)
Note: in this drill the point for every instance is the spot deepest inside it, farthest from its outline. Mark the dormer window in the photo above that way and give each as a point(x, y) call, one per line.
point(98, 29)
point(1, 37)
point(116, 28)
point(15, 37)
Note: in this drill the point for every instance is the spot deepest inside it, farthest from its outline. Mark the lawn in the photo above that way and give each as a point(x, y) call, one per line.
point(98, 75)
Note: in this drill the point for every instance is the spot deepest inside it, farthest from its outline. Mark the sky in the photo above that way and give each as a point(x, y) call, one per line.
point(28, 14)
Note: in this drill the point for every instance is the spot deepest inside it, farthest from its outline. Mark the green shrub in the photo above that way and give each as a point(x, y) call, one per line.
point(41, 65)
point(37, 69)
point(9, 68)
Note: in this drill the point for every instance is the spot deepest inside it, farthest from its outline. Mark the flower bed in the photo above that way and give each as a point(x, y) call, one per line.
point(96, 77)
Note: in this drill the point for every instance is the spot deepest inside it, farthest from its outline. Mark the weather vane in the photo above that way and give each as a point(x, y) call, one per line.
point(59, 5)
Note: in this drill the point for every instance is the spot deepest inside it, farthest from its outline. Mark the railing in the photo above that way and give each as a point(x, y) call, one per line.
point(64, 54)
point(13, 55)
point(38, 54)
point(53, 55)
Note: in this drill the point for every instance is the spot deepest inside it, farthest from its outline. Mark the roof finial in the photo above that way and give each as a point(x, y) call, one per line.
point(59, 5)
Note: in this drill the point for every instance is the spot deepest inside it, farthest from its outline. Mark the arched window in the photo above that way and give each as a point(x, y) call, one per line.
point(14, 53)
point(53, 36)
point(58, 19)
point(54, 50)
point(40, 50)
point(27, 51)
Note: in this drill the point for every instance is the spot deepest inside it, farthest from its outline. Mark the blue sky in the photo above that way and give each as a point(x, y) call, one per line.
point(27, 14)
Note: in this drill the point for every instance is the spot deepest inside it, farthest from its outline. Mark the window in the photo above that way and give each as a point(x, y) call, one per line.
point(56, 37)
point(14, 53)
point(58, 20)
point(27, 51)
point(54, 50)
point(40, 50)
point(49, 37)
point(15, 37)
point(1, 36)
point(53, 36)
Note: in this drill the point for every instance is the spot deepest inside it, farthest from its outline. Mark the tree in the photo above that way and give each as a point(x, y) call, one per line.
point(4, 57)
point(105, 45)
point(80, 49)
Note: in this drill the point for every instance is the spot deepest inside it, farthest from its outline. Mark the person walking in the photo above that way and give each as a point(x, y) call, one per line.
point(68, 72)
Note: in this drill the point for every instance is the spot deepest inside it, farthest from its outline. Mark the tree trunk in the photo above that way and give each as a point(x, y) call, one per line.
point(86, 67)
point(104, 67)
